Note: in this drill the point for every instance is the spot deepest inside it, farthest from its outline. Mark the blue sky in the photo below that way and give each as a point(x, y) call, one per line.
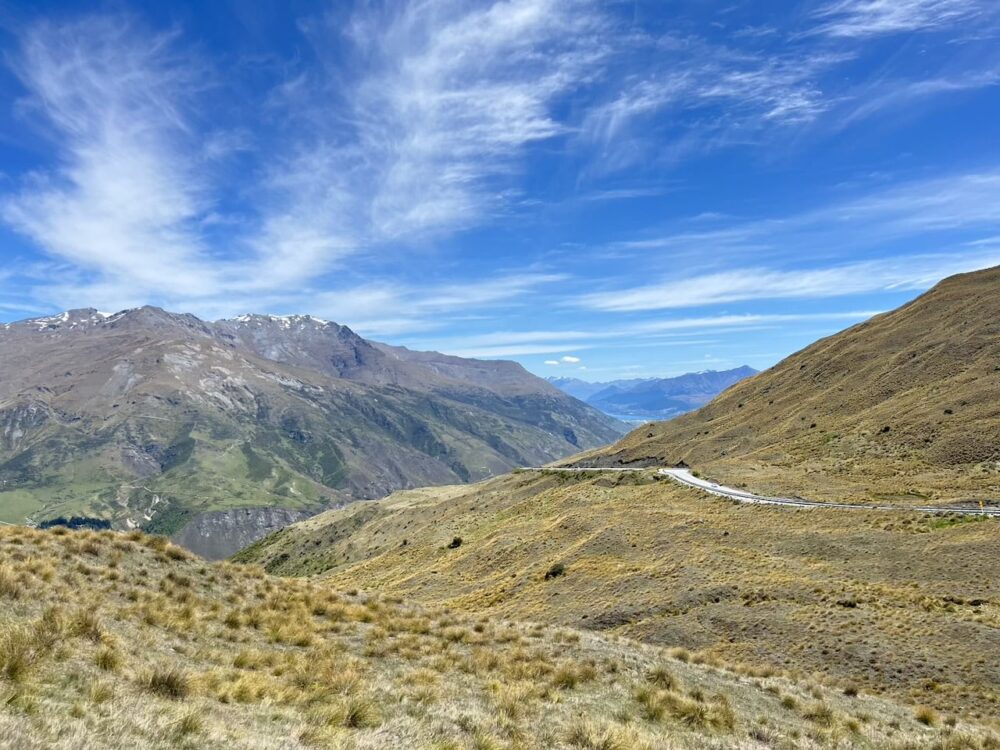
point(599, 189)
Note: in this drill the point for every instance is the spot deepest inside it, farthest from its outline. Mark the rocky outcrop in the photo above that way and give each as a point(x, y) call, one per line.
point(219, 534)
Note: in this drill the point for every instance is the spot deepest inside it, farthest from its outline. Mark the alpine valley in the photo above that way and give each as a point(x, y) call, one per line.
point(216, 433)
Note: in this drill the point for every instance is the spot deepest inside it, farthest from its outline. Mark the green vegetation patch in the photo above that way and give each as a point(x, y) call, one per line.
point(950, 521)
point(170, 520)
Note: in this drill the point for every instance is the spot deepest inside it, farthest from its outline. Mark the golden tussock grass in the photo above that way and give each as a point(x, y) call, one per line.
point(173, 652)
point(867, 600)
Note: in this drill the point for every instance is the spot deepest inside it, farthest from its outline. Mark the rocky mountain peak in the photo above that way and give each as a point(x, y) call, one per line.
point(59, 321)
point(285, 322)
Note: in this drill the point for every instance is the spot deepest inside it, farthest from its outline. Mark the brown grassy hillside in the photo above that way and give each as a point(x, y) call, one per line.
point(125, 641)
point(901, 603)
point(904, 407)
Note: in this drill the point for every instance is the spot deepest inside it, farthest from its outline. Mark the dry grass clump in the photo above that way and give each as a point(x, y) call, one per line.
point(820, 713)
point(662, 677)
point(168, 681)
point(927, 716)
point(85, 623)
point(358, 712)
point(108, 659)
point(590, 735)
point(569, 675)
point(513, 701)
point(19, 651)
point(189, 723)
point(693, 712)
point(10, 586)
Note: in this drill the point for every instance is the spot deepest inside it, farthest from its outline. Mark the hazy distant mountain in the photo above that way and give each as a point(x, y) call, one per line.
point(583, 389)
point(651, 399)
point(149, 418)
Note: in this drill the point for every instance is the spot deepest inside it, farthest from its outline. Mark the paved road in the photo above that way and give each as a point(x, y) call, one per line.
point(685, 477)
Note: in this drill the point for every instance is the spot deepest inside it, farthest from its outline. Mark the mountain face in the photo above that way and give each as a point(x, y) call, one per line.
point(903, 407)
point(652, 399)
point(150, 418)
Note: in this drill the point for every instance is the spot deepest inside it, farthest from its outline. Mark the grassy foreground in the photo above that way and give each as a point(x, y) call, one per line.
point(110, 640)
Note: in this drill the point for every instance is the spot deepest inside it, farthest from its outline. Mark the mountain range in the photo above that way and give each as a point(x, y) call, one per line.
point(215, 432)
point(652, 399)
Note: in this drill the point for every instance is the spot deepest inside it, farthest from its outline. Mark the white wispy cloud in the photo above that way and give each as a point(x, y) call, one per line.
point(696, 94)
point(909, 273)
point(921, 211)
point(424, 132)
point(899, 94)
point(677, 331)
point(132, 191)
point(686, 77)
point(452, 94)
point(393, 309)
point(124, 202)
point(865, 18)
point(508, 350)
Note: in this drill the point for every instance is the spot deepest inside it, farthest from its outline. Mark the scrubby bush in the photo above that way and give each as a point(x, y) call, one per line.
point(555, 571)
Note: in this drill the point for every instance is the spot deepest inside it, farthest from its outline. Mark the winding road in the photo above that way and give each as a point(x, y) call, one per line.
point(685, 477)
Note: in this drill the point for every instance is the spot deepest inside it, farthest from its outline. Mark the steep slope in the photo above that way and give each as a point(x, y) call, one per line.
point(153, 419)
point(904, 407)
point(899, 604)
point(113, 641)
